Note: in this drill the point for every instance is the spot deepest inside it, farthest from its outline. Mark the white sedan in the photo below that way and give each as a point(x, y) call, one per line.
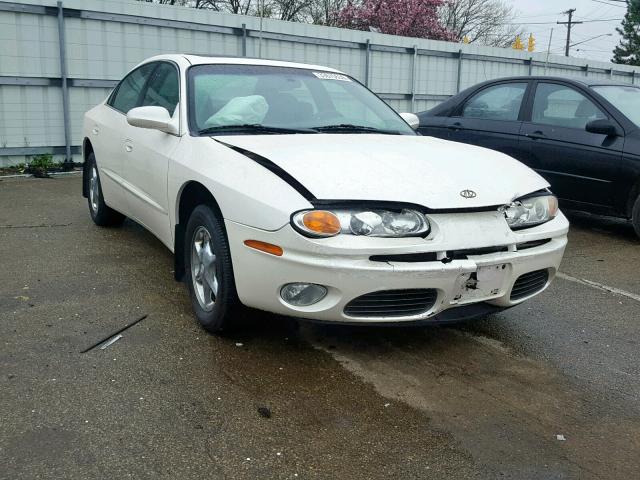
point(294, 189)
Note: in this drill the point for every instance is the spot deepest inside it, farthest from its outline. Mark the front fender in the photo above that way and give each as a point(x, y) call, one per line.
point(245, 191)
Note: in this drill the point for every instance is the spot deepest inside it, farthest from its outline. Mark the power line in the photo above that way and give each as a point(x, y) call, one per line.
point(553, 23)
point(610, 4)
point(602, 20)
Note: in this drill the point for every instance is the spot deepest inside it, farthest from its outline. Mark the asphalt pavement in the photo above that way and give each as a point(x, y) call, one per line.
point(547, 390)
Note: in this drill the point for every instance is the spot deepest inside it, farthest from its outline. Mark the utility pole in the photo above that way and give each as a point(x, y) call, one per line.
point(569, 24)
point(546, 63)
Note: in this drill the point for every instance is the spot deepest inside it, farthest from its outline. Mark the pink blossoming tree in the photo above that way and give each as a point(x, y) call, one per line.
point(409, 18)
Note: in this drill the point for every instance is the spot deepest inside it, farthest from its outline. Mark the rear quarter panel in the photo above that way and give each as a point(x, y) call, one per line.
point(630, 173)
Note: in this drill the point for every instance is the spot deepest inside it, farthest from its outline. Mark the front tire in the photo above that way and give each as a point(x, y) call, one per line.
point(210, 280)
point(100, 212)
point(635, 216)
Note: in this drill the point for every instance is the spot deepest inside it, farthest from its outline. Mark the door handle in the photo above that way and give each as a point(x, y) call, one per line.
point(455, 126)
point(95, 130)
point(128, 146)
point(537, 135)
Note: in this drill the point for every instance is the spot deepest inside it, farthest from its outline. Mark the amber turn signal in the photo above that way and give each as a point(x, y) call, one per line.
point(322, 222)
point(553, 206)
point(264, 247)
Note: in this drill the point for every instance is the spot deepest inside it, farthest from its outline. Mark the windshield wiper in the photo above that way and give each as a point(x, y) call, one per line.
point(347, 128)
point(253, 128)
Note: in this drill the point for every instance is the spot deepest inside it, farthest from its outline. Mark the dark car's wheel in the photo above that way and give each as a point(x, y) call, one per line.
point(101, 214)
point(209, 271)
point(635, 218)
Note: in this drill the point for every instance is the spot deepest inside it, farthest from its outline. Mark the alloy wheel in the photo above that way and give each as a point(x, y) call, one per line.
point(203, 269)
point(94, 189)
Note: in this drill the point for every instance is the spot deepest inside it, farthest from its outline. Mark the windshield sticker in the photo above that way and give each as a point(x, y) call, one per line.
point(332, 76)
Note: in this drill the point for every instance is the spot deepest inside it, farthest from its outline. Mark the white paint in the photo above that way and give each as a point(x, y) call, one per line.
point(422, 170)
point(599, 286)
point(143, 172)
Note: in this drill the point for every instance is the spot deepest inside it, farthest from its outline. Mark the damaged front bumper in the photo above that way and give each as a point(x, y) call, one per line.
point(469, 263)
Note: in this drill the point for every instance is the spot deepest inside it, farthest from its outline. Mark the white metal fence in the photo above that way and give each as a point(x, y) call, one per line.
point(59, 59)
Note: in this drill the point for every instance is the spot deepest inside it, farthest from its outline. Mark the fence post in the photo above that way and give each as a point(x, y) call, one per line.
point(633, 77)
point(68, 160)
point(586, 70)
point(414, 66)
point(530, 66)
point(367, 55)
point(244, 39)
point(459, 79)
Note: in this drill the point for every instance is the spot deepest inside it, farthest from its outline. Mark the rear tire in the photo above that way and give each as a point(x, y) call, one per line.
point(635, 216)
point(209, 272)
point(101, 214)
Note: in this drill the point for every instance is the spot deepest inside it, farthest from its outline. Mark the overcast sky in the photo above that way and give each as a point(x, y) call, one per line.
point(539, 17)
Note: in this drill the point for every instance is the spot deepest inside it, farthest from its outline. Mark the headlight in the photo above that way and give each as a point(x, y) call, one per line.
point(371, 223)
point(531, 211)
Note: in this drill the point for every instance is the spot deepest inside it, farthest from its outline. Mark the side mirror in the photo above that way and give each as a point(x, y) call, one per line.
point(412, 119)
point(602, 126)
point(155, 118)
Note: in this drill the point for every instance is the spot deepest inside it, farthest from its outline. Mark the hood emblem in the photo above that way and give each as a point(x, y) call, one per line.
point(468, 194)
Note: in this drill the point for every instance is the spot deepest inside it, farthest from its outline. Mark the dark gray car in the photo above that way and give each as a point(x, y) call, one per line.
point(583, 136)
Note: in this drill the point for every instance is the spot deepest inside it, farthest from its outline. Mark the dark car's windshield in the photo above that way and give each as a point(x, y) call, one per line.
point(626, 99)
point(269, 99)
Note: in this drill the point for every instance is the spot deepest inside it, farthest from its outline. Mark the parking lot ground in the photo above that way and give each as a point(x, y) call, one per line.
point(547, 390)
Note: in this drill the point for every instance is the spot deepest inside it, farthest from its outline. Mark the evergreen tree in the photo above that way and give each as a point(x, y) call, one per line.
point(628, 52)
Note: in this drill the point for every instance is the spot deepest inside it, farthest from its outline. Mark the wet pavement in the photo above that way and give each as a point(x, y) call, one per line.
point(547, 390)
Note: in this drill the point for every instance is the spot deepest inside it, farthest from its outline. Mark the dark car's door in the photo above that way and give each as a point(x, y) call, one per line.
point(580, 166)
point(491, 117)
point(433, 125)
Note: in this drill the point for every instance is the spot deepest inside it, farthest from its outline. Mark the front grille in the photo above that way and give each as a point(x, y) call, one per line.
point(432, 256)
point(392, 303)
point(454, 254)
point(406, 257)
point(529, 283)
point(532, 244)
point(464, 254)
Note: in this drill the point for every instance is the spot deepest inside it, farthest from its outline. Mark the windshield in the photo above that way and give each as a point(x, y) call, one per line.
point(625, 99)
point(268, 99)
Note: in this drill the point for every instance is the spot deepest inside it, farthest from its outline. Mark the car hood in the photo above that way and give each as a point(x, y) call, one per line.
point(400, 168)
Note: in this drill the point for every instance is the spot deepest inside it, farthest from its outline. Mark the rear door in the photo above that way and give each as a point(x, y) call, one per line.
point(491, 117)
point(580, 166)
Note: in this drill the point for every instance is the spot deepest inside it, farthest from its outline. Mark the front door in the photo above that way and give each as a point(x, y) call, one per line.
point(490, 118)
point(108, 135)
point(580, 166)
point(147, 156)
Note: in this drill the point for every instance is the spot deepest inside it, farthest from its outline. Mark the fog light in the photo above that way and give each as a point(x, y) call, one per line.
point(302, 294)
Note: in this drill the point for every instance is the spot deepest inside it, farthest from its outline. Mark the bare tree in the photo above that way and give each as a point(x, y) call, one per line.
point(324, 12)
point(320, 12)
point(488, 22)
point(242, 7)
point(291, 10)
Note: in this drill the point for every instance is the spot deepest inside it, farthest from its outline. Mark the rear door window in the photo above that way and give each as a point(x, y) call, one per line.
point(499, 102)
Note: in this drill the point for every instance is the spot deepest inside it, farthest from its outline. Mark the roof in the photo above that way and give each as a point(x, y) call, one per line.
point(194, 59)
point(587, 82)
